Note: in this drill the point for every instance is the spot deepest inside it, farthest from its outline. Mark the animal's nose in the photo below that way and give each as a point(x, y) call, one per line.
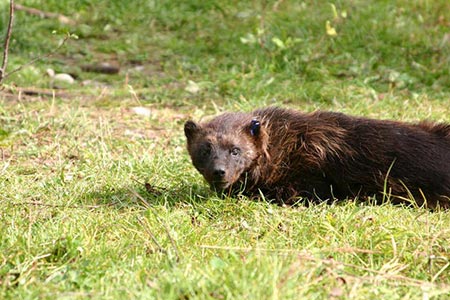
point(219, 172)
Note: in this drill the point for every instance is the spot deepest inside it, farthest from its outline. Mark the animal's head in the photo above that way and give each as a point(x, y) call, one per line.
point(227, 147)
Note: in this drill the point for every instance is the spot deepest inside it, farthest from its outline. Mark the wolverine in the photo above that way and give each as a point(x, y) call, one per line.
point(287, 155)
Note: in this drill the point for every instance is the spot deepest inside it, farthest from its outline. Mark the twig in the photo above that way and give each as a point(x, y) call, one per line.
point(43, 14)
point(340, 250)
point(3, 73)
point(32, 91)
point(172, 241)
point(66, 38)
point(6, 44)
point(154, 190)
point(152, 236)
point(37, 203)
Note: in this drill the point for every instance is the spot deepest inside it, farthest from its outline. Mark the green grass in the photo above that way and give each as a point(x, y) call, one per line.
point(76, 221)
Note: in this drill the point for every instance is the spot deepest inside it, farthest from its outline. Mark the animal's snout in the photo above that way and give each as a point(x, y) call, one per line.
point(219, 173)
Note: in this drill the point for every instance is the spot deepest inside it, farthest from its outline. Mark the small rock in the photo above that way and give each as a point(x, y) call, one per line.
point(60, 80)
point(192, 87)
point(142, 111)
point(63, 77)
point(50, 72)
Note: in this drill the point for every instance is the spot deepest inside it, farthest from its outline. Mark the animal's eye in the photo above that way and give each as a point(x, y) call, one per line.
point(235, 151)
point(205, 150)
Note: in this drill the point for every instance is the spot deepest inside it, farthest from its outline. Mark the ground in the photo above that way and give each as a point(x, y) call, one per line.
point(98, 196)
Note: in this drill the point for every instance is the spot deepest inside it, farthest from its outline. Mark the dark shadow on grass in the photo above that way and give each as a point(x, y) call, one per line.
point(140, 195)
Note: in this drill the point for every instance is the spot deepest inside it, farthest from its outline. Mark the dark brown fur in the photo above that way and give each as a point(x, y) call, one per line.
point(285, 154)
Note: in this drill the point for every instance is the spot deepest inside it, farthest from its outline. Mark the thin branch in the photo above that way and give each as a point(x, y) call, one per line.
point(3, 73)
point(7, 38)
point(166, 228)
point(43, 14)
point(68, 36)
point(37, 203)
point(152, 236)
point(294, 251)
point(32, 91)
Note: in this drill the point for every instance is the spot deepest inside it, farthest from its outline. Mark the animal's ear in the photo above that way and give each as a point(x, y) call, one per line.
point(259, 135)
point(191, 129)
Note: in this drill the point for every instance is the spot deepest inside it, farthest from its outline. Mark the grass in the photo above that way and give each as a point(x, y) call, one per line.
point(77, 222)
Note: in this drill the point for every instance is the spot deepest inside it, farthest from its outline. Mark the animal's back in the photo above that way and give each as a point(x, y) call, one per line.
point(346, 156)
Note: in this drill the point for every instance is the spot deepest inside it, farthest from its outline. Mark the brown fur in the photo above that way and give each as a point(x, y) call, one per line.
point(285, 154)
